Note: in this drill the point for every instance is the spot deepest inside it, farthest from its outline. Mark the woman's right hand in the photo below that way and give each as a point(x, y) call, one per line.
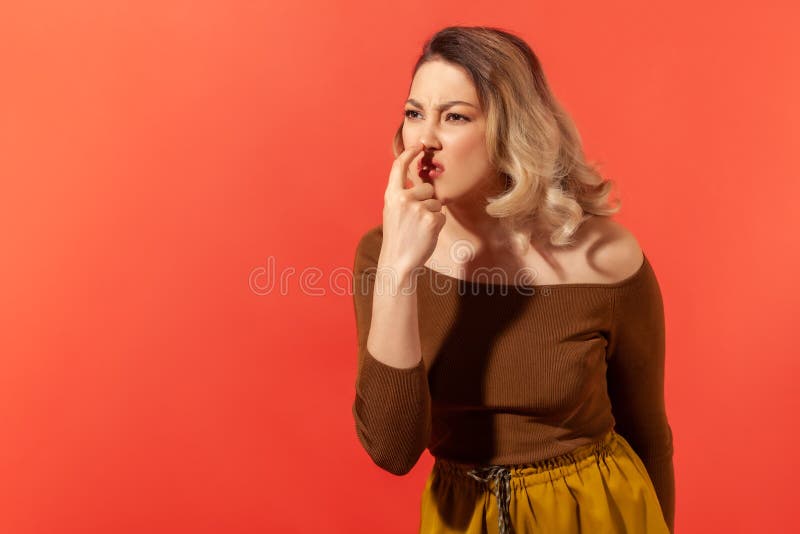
point(412, 218)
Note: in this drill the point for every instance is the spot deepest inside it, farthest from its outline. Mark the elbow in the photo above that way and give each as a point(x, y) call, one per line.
point(396, 463)
point(398, 450)
point(392, 414)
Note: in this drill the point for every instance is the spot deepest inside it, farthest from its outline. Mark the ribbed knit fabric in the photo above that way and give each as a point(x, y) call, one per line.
point(516, 374)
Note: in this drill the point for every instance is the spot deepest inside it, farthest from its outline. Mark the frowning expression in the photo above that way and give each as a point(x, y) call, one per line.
point(443, 111)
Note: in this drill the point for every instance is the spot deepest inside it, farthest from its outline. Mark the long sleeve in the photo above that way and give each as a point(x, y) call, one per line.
point(636, 357)
point(392, 405)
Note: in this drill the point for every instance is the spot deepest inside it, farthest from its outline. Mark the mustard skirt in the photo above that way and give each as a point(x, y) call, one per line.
point(601, 487)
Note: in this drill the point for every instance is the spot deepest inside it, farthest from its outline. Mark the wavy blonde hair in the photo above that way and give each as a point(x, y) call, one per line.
point(550, 189)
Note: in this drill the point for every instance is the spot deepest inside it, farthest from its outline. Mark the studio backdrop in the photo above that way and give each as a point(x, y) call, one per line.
point(182, 188)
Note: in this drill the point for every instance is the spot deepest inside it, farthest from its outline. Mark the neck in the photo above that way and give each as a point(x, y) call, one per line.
point(467, 219)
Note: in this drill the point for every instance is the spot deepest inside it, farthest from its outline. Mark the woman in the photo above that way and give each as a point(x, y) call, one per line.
point(539, 393)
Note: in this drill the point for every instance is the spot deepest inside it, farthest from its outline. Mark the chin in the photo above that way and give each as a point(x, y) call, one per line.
point(441, 196)
point(449, 198)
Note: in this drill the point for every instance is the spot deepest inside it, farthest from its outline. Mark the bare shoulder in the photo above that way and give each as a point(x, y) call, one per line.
point(612, 249)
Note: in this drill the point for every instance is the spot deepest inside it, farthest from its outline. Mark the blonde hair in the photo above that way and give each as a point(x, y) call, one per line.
point(550, 187)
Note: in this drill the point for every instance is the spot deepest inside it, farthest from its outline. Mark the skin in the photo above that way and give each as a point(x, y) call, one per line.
point(415, 218)
point(605, 251)
point(456, 138)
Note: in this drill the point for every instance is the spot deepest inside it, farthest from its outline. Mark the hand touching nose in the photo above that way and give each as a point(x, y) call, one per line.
point(412, 218)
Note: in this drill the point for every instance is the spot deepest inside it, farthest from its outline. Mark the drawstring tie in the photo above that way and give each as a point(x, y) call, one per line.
point(502, 477)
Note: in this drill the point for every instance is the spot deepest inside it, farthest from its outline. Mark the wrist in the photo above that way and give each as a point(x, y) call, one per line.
point(394, 279)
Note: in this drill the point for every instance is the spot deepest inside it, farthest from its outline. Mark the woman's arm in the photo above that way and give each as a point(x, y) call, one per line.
point(636, 355)
point(392, 401)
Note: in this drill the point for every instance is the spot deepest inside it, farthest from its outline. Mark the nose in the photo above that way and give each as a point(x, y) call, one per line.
point(429, 143)
point(429, 138)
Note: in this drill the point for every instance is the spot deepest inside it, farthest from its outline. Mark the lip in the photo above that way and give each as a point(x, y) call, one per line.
point(430, 163)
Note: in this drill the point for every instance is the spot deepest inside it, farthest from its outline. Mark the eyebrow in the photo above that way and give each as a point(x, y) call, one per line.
point(441, 107)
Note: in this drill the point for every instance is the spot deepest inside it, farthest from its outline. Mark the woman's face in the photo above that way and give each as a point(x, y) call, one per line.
point(454, 133)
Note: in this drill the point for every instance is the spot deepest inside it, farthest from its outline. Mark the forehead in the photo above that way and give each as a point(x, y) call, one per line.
point(441, 81)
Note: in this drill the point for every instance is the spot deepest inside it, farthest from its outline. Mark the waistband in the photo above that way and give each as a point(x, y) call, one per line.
point(501, 478)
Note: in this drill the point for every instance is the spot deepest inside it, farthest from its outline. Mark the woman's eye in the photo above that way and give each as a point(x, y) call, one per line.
point(460, 118)
point(457, 115)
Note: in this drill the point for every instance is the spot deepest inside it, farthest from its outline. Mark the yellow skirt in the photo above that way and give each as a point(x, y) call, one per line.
point(601, 487)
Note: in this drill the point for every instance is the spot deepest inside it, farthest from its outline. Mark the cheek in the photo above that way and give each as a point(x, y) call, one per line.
point(405, 136)
point(470, 151)
point(410, 134)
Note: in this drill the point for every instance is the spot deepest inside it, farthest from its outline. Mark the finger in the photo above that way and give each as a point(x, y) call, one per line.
point(400, 166)
point(432, 204)
point(423, 191)
point(412, 171)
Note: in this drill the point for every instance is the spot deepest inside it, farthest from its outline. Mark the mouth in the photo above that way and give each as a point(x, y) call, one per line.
point(428, 168)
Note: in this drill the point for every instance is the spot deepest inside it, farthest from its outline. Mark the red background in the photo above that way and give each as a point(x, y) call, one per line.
point(154, 155)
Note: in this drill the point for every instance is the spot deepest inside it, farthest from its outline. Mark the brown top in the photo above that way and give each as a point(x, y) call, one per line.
point(514, 374)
